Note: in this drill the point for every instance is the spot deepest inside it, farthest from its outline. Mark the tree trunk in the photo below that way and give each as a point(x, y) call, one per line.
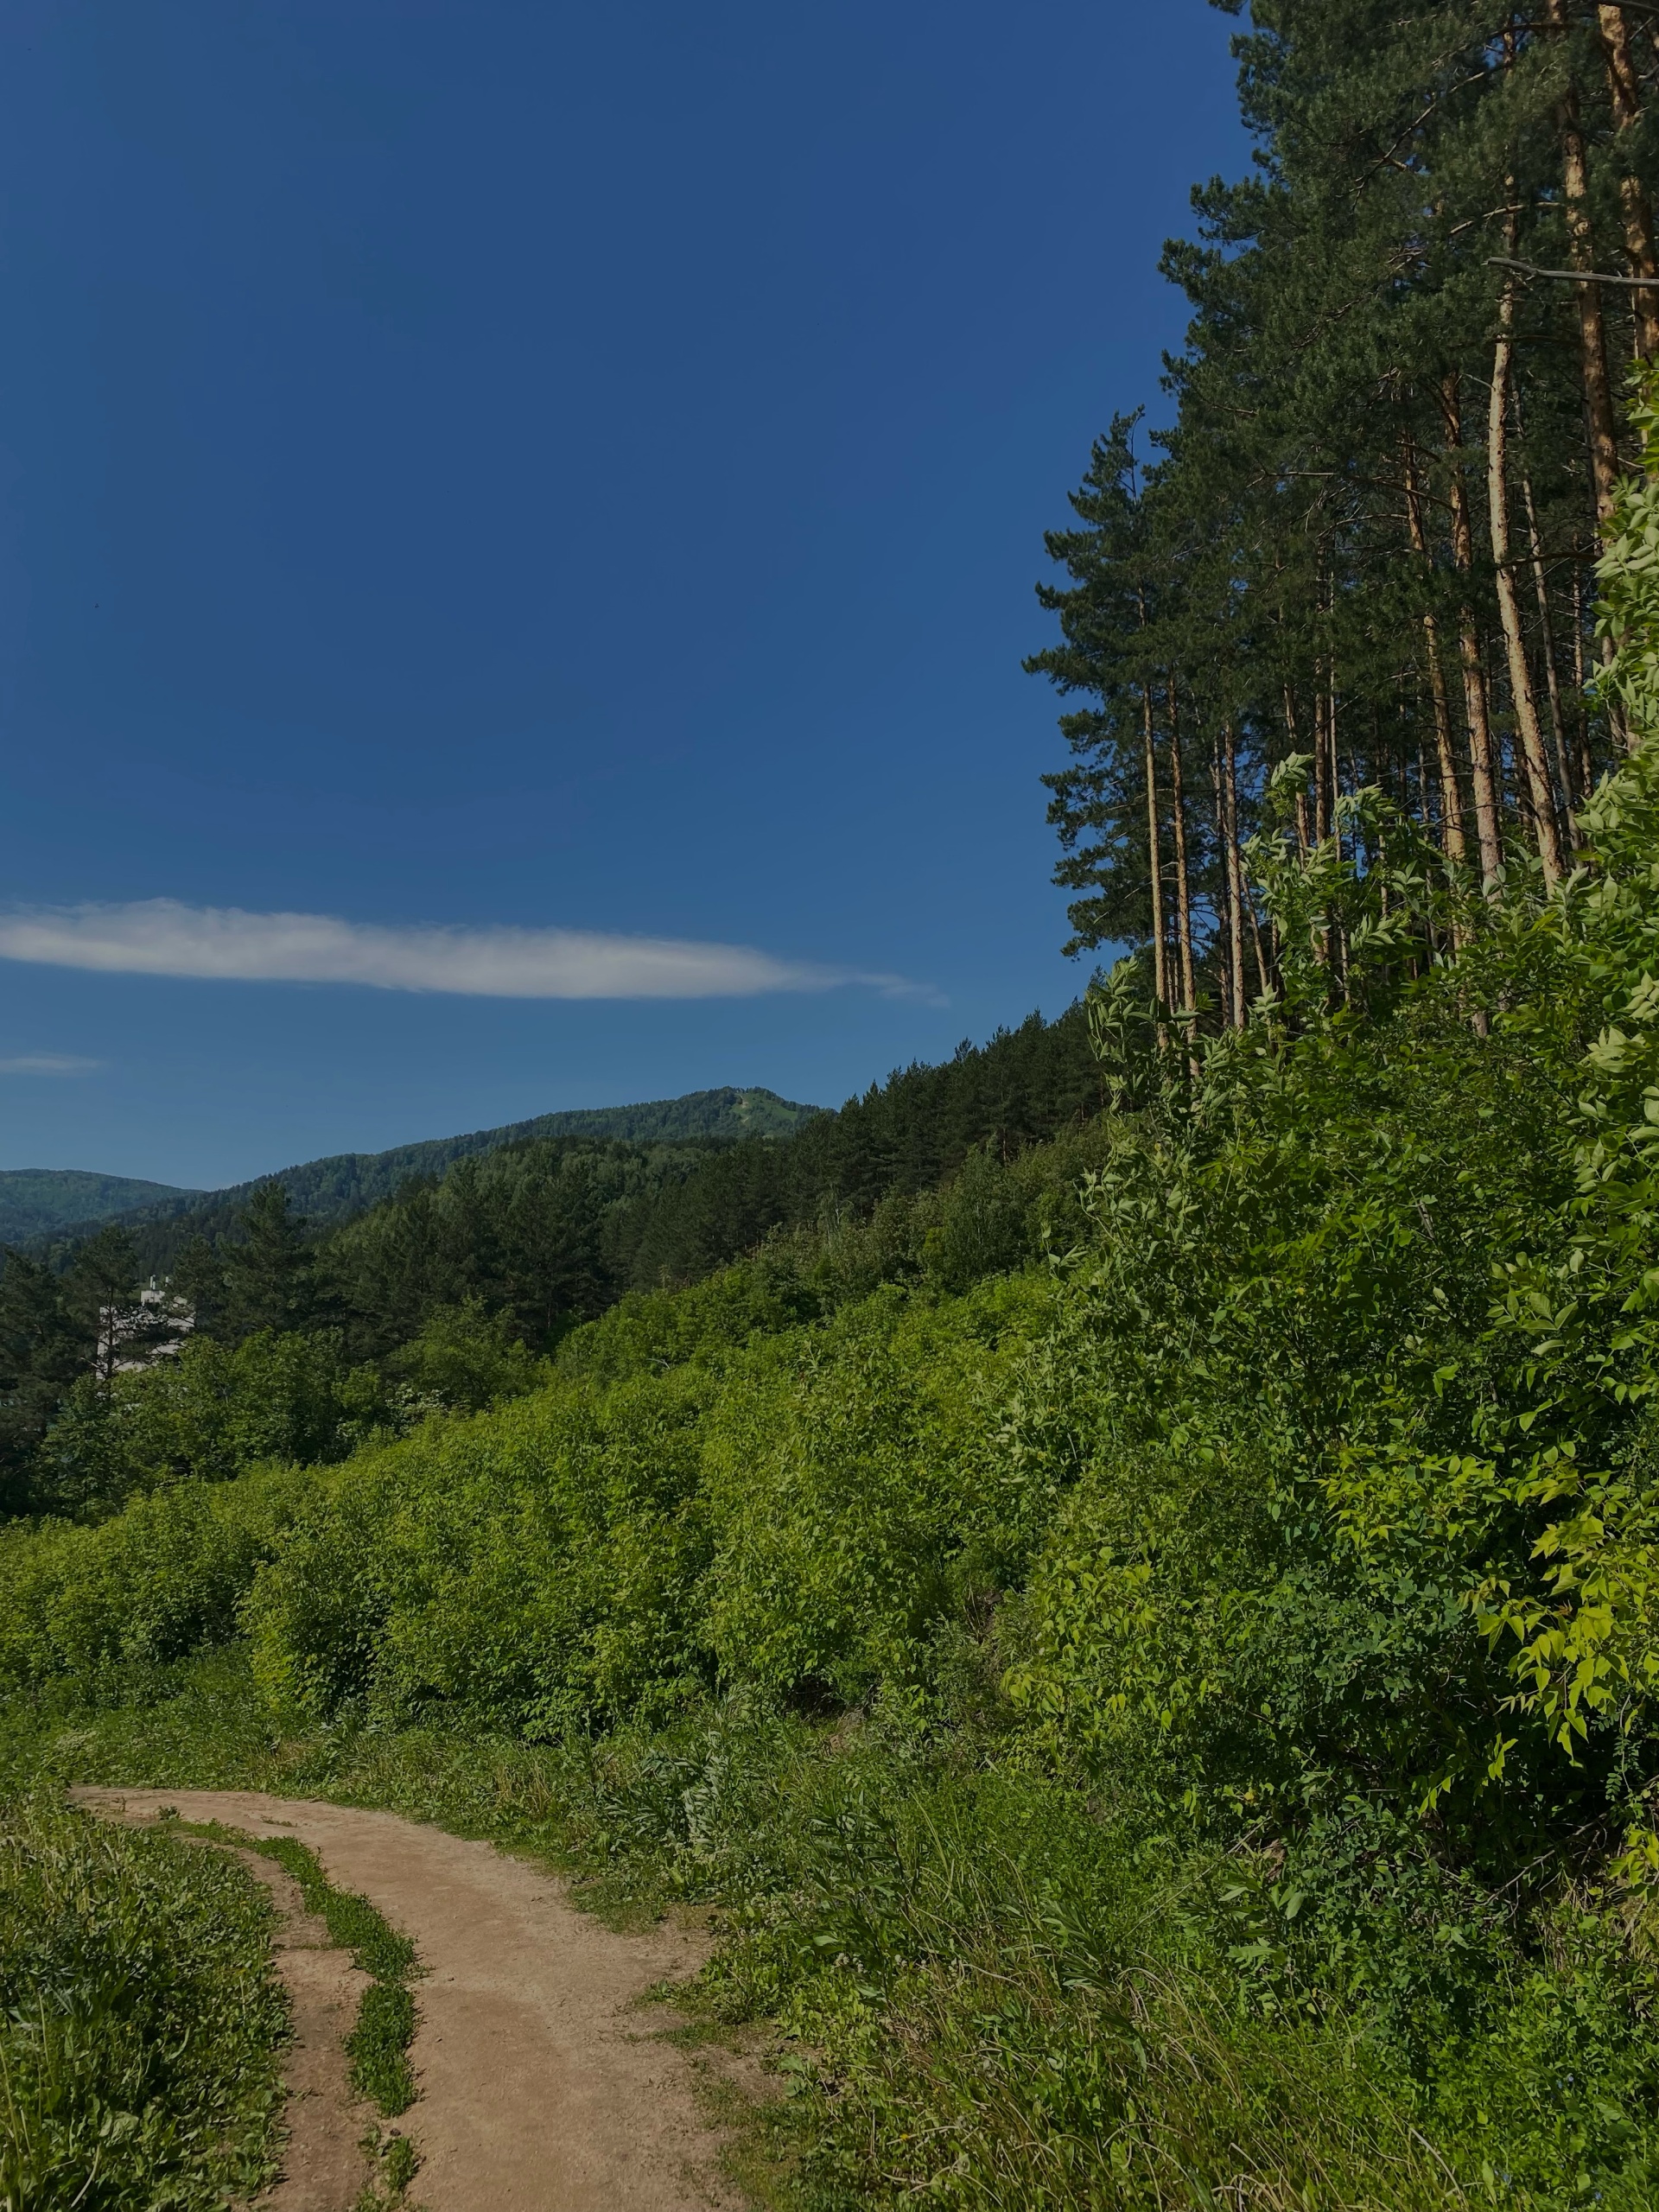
point(1454, 844)
point(1183, 880)
point(1263, 968)
point(1487, 815)
point(1624, 91)
point(1451, 838)
point(1160, 957)
point(1235, 878)
point(1304, 828)
point(1322, 798)
point(1508, 605)
point(1581, 249)
point(1547, 631)
point(1223, 881)
point(1586, 766)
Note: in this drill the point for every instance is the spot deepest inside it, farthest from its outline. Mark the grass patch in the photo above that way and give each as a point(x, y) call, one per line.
point(378, 2044)
point(396, 2163)
point(761, 2152)
point(983, 1988)
point(378, 2047)
point(140, 2019)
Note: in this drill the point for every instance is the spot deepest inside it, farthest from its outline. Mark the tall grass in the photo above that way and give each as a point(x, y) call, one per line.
point(988, 1991)
point(139, 2019)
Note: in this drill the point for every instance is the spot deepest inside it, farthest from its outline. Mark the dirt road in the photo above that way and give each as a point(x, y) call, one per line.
point(540, 2091)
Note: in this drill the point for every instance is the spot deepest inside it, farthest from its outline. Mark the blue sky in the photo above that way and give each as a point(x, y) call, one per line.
point(505, 477)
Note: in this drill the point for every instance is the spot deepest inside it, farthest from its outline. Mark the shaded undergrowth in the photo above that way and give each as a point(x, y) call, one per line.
point(976, 1983)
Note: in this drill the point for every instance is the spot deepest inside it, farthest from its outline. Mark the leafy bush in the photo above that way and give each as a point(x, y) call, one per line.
point(593, 1552)
point(464, 1358)
point(166, 1576)
point(208, 1415)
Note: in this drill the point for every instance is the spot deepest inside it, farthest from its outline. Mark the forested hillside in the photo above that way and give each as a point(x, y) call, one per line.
point(333, 1190)
point(37, 1202)
point(306, 1339)
point(1125, 1567)
point(1366, 544)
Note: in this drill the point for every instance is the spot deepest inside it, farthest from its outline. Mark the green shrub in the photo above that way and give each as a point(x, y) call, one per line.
point(166, 1576)
point(532, 1564)
point(802, 1520)
point(209, 1415)
point(856, 1495)
point(464, 1358)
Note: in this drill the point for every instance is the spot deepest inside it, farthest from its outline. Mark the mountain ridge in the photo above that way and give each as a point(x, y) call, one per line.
point(46, 1201)
point(334, 1187)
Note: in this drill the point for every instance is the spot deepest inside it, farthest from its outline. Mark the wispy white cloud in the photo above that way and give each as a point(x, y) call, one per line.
point(161, 936)
point(47, 1064)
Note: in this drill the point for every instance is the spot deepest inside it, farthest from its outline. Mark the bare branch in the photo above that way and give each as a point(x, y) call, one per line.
point(1569, 276)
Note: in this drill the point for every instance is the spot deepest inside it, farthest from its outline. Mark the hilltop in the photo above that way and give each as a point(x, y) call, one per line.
point(332, 1190)
point(44, 1201)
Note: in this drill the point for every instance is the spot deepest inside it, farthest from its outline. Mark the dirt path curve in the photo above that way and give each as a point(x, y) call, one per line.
point(324, 2167)
point(539, 2092)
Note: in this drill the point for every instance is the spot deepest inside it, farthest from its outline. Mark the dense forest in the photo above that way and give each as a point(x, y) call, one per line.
point(38, 1202)
point(331, 1190)
point(1123, 1568)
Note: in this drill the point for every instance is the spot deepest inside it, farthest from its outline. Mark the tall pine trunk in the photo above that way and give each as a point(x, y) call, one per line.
point(1235, 875)
point(1586, 766)
point(1451, 837)
point(1545, 827)
point(1488, 817)
point(1624, 92)
point(1560, 756)
point(1224, 884)
point(1155, 855)
point(1183, 877)
point(1304, 827)
point(1322, 751)
point(1600, 414)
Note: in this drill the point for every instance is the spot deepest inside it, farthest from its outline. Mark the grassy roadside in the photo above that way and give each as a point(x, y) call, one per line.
point(140, 2018)
point(199, 1726)
point(934, 1949)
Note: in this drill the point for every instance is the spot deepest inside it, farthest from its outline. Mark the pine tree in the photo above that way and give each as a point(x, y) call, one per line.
point(1367, 538)
point(269, 1276)
point(45, 1342)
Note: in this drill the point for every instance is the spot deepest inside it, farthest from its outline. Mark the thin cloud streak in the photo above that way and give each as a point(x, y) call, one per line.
point(48, 1063)
point(163, 936)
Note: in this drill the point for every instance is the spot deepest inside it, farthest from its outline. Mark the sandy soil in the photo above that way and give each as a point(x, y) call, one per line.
point(540, 2089)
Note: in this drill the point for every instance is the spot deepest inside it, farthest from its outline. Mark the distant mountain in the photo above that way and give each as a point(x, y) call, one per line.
point(41, 1201)
point(346, 1183)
